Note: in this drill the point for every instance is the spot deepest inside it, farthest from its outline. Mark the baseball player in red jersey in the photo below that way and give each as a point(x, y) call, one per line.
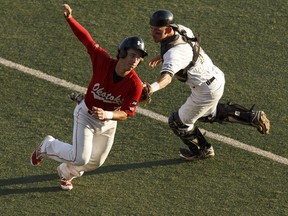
point(113, 94)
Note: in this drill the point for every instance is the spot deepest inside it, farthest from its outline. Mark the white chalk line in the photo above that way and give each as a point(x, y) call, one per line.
point(142, 111)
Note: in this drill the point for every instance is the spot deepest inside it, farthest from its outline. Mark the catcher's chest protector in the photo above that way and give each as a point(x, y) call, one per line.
point(181, 39)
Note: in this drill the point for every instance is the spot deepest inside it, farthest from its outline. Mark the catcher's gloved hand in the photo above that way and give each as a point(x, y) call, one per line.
point(76, 97)
point(146, 93)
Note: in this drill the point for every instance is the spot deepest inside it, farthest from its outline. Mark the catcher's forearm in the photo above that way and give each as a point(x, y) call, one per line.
point(164, 80)
point(155, 86)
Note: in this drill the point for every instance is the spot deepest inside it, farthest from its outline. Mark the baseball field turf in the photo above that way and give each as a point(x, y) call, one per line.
point(143, 174)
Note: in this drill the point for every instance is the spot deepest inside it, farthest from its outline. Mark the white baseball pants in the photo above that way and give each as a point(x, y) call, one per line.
point(202, 101)
point(92, 142)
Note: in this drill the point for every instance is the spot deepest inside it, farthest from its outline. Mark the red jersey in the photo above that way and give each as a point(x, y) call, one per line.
point(103, 91)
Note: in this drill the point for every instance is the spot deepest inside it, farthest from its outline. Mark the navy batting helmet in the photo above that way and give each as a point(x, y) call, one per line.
point(161, 18)
point(131, 42)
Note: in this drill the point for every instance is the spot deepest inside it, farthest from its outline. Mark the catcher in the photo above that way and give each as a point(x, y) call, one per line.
point(183, 58)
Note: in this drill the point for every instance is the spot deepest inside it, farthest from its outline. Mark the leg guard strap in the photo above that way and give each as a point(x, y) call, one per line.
point(234, 113)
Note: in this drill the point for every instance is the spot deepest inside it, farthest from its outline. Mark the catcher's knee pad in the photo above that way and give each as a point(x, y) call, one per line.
point(177, 125)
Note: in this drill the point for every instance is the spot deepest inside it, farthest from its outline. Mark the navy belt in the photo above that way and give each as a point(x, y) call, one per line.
point(208, 82)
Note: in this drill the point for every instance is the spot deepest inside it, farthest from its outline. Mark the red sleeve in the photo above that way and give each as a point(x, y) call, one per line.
point(81, 33)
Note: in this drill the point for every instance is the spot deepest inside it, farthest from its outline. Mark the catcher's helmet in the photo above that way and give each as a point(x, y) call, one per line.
point(161, 18)
point(131, 42)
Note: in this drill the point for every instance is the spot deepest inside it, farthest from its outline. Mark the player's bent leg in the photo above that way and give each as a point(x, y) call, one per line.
point(198, 146)
point(235, 113)
point(101, 149)
point(39, 154)
point(178, 128)
point(67, 172)
point(65, 184)
point(205, 149)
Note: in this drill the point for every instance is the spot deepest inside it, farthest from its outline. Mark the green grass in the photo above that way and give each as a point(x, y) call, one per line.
point(143, 174)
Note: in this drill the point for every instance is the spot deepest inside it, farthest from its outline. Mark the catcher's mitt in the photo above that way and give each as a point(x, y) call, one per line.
point(146, 93)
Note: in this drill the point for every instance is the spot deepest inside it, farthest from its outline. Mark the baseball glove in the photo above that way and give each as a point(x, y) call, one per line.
point(76, 97)
point(146, 93)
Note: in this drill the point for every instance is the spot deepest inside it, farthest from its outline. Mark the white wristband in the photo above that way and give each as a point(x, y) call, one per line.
point(109, 115)
point(155, 86)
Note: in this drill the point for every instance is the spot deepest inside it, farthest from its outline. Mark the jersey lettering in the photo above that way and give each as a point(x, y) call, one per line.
point(99, 94)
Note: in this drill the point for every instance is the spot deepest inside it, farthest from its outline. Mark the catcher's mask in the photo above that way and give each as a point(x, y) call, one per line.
point(162, 18)
point(131, 42)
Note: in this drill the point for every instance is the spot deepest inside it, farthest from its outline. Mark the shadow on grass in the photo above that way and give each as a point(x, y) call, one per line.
point(8, 191)
point(101, 170)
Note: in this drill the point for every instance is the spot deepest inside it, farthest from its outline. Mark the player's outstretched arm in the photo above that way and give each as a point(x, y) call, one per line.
point(164, 80)
point(81, 33)
point(67, 11)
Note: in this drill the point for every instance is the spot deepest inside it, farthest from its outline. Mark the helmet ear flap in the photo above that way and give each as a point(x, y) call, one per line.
point(122, 53)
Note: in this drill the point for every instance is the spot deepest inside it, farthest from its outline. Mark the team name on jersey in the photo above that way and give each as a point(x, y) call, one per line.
point(99, 94)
